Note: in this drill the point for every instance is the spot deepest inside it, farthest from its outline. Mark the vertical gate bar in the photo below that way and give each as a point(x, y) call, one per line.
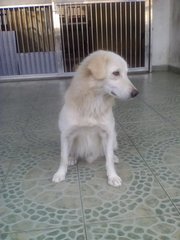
point(126, 45)
point(36, 28)
point(149, 40)
point(6, 37)
point(4, 19)
point(77, 34)
point(120, 10)
point(106, 26)
point(139, 34)
point(32, 33)
point(50, 36)
point(47, 24)
point(67, 33)
point(26, 27)
point(130, 30)
point(41, 31)
point(6, 65)
point(44, 38)
point(29, 66)
point(97, 38)
point(111, 26)
point(32, 48)
point(101, 20)
point(72, 34)
point(57, 38)
point(38, 65)
point(8, 14)
point(51, 30)
point(92, 29)
point(82, 29)
point(46, 29)
point(62, 9)
point(116, 21)
point(8, 11)
point(15, 24)
point(135, 35)
point(17, 37)
point(20, 24)
point(87, 30)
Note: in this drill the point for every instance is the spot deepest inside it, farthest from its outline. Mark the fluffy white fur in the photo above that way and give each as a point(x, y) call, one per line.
point(86, 121)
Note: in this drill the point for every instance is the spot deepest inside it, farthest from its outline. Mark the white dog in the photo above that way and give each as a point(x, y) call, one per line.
point(86, 120)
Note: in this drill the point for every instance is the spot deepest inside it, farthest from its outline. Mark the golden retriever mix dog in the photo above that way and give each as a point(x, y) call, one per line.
point(86, 120)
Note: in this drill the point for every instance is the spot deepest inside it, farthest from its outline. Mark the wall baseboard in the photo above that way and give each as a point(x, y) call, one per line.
point(163, 68)
point(160, 68)
point(174, 69)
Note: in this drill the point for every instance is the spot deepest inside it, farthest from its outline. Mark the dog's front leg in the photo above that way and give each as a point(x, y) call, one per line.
point(62, 170)
point(113, 178)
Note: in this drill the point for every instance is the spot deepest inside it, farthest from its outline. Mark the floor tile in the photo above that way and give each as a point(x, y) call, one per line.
point(140, 114)
point(65, 233)
point(37, 168)
point(146, 206)
point(158, 143)
point(39, 204)
point(4, 166)
point(164, 227)
point(140, 194)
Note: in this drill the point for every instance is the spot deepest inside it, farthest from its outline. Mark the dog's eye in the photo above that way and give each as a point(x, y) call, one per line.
point(116, 73)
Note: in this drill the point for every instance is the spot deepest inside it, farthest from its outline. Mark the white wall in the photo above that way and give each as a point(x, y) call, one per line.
point(160, 32)
point(174, 49)
point(166, 33)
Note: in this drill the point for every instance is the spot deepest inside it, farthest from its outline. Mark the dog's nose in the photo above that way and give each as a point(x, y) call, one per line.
point(134, 93)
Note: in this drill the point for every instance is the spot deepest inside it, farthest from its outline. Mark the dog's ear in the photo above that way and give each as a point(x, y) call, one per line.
point(97, 67)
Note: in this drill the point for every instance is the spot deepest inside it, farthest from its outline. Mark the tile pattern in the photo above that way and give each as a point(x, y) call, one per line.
point(85, 207)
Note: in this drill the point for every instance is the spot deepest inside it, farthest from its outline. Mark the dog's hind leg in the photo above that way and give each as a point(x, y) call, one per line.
point(72, 160)
point(116, 159)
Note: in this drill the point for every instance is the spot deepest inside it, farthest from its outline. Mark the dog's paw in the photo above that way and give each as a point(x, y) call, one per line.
point(114, 181)
point(58, 177)
point(72, 161)
point(115, 159)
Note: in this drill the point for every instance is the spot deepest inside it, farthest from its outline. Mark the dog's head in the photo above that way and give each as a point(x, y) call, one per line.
point(110, 70)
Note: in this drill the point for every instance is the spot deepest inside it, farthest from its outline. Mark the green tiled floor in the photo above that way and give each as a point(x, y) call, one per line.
point(85, 207)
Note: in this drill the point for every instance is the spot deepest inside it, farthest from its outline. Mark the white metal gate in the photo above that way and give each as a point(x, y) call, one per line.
point(55, 38)
point(27, 40)
point(119, 26)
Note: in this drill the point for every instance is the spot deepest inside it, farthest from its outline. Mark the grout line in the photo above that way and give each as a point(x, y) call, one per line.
point(82, 208)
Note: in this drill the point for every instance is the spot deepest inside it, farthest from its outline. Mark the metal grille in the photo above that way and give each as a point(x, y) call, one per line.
point(114, 26)
point(32, 31)
point(55, 38)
